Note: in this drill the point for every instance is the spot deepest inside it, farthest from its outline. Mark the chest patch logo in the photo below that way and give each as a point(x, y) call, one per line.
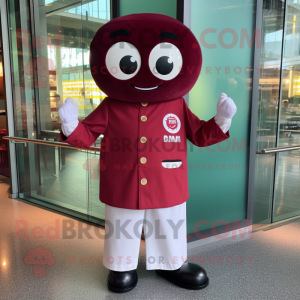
point(172, 123)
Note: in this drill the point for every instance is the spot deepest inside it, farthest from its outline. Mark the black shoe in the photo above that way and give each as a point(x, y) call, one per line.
point(122, 282)
point(189, 276)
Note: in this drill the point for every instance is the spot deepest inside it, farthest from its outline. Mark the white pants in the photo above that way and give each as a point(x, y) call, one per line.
point(165, 236)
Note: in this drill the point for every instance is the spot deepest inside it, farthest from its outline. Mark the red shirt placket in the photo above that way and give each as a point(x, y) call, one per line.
point(142, 151)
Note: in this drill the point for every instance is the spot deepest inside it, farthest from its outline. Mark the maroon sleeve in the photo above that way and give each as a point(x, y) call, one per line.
point(89, 130)
point(202, 133)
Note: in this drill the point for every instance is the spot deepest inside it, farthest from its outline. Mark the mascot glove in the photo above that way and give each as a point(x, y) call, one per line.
point(226, 109)
point(68, 114)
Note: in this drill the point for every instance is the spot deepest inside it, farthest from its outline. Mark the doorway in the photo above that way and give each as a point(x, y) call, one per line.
point(277, 174)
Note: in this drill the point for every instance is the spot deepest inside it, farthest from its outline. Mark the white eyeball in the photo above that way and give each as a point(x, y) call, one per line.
point(165, 61)
point(123, 60)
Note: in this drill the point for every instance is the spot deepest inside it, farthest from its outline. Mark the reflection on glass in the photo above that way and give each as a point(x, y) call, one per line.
point(42, 178)
point(24, 106)
point(286, 202)
point(269, 82)
point(269, 87)
point(290, 108)
point(70, 29)
point(48, 68)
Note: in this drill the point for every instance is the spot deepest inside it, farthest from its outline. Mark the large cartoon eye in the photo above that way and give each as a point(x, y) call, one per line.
point(123, 60)
point(165, 61)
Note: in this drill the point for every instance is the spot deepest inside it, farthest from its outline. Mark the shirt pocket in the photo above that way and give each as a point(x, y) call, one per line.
point(172, 164)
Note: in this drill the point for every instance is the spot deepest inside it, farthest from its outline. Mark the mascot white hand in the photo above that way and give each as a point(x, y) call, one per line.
point(68, 114)
point(226, 109)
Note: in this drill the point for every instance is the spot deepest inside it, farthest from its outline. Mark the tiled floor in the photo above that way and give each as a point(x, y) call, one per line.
point(73, 270)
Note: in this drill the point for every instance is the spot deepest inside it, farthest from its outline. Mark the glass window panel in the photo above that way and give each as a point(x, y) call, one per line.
point(165, 7)
point(23, 69)
point(213, 171)
point(269, 88)
point(95, 9)
point(72, 10)
point(287, 189)
point(42, 65)
point(92, 98)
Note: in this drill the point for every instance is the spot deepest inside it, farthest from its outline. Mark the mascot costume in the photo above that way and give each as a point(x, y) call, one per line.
point(145, 64)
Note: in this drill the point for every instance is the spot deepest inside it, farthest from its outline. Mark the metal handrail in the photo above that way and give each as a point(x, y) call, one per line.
point(278, 149)
point(95, 149)
point(47, 143)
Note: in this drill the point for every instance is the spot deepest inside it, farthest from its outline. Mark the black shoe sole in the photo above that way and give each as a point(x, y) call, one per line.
point(122, 290)
point(182, 285)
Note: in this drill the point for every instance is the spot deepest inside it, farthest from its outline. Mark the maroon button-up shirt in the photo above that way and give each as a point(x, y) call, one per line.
point(144, 160)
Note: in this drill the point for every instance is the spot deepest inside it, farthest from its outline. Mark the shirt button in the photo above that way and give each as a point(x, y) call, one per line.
point(144, 181)
point(144, 104)
point(143, 140)
point(144, 118)
point(143, 160)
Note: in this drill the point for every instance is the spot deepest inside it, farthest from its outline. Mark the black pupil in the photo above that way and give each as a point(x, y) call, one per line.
point(127, 66)
point(163, 67)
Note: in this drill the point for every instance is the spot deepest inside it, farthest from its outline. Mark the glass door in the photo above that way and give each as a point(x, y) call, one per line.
point(268, 100)
point(50, 60)
point(277, 175)
point(287, 188)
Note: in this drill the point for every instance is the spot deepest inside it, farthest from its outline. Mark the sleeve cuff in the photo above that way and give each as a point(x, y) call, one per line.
point(69, 128)
point(223, 123)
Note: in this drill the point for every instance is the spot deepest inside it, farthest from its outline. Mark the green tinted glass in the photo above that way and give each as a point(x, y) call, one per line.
point(218, 174)
point(165, 7)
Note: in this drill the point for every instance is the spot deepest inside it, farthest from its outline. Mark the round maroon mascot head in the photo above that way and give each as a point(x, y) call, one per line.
point(145, 58)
